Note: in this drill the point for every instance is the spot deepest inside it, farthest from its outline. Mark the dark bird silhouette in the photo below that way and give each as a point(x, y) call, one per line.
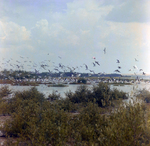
point(117, 70)
point(43, 66)
point(119, 67)
point(144, 73)
point(56, 69)
point(104, 50)
point(135, 67)
point(86, 66)
point(93, 64)
point(118, 61)
point(97, 63)
point(92, 71)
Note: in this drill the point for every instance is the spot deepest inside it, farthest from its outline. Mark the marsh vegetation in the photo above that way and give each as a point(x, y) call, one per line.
point(85, 117)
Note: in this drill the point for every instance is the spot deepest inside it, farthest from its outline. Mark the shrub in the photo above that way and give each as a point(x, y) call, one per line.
point(39, 122)
point(144, 95)
point(67, 105)
point(81, 95)
point(101, 94)
point(124, 126)
point(127, 126)
point(4, 91)
point(53, 96)
point(4, 101)
point(21, 99)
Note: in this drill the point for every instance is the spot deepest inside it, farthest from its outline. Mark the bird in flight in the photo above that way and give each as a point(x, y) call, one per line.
point(135, 67)
point(118, 61)
point(104, 50)
point(144, 73)
point(116, 70)
point(93, 64)
point(97, 63)
point(86, 66)
point(141, 70)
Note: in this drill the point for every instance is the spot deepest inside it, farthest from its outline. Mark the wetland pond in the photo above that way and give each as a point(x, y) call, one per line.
point(130, 89)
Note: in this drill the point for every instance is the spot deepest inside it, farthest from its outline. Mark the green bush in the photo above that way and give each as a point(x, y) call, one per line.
point(101, 94)
point(53, 96)
point(4, 101)
point(4, 91)
point(125, 126)
point(144, 95)
point(39, 122)
point(82, 94)
point(35, 120)
point(67, 105)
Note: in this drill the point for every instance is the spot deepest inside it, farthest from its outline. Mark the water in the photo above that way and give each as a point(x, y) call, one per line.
point(130, 89)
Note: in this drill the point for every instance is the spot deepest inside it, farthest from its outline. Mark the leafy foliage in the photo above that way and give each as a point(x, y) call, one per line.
point(38, 121)
point(144, 95)
point(4, 91)
point(53, 96)
point(101, 94)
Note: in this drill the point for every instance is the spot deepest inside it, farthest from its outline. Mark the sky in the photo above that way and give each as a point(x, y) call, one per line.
point(75, 33)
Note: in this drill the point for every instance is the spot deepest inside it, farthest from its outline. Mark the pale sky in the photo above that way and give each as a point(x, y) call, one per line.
point(76, 30)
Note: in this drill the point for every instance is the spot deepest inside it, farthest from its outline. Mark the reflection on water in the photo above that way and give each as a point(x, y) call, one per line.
point(130, 89)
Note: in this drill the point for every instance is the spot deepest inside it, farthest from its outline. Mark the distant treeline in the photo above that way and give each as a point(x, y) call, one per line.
point(20, 74)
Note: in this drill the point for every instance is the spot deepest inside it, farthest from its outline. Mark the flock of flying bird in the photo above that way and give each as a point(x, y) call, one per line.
point(46, 64)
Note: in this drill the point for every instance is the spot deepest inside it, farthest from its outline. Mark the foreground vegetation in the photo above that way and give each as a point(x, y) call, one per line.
point(86, 117)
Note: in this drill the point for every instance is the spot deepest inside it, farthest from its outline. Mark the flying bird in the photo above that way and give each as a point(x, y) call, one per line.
point(93, 64)
point(86, 66)
point(104, 50)
point(144, 73)
point(97, 63)
point(118, 61)
point(135, 67)
point(116, 70)
point(92, 71)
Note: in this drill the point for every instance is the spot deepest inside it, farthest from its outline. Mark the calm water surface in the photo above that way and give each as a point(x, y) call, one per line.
point(62, 90)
